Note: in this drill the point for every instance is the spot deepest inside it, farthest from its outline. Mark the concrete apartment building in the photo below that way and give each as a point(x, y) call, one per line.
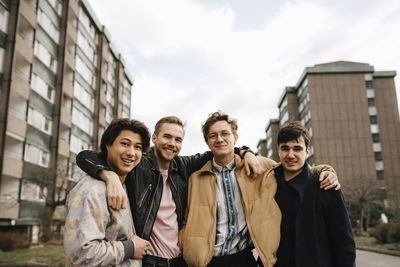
point(61, 83)
point(352, 114)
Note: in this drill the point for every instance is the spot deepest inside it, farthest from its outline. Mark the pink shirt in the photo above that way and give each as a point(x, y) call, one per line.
point(164, 237)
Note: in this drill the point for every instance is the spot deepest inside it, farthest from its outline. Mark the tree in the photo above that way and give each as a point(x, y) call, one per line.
point(362, 189)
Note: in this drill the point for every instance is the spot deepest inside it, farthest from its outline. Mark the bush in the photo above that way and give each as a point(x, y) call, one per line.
point(389, 232)
point(12, 240)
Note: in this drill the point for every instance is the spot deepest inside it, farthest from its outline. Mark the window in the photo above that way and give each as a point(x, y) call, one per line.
point(375, 138)
point(3, 19)
point(44, 55)
point(378, 156)
point(2, 54)
point(371, 102)
point(379, 175)
point(373, 119)
point(369, 84)
point(36, 155)
point(83, 96)
point(48, 26)
point(84, 71)
point(83, 122)
point(85, 46)
point(56, 5)
point(39, 121)
point(42, 88)
point(77, 144)
point(110, 95)
point(85, 21)
point(33, 192)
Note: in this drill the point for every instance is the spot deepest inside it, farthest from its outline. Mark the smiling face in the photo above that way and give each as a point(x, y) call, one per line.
point(124, 153)
point(167, 143)
point(221, 141)
point(293, 155)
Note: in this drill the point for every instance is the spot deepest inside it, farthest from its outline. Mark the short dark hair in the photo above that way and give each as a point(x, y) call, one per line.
point(218, 116)
point(292, 131)
point(168, 119)
point(118, 125)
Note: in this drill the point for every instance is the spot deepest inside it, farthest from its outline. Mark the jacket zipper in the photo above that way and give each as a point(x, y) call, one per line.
point(144, 195)
point(178, 201)
point(148, 214)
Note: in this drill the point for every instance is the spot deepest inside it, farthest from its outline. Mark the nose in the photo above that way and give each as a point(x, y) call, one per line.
point(219, 138)
point(291, 153)
point(130, 151)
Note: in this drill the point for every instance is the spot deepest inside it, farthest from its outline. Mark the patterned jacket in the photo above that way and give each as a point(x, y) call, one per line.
point(95, 234)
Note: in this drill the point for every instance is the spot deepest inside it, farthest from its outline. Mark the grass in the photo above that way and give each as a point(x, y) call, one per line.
point(52, 255)
point(368, 241)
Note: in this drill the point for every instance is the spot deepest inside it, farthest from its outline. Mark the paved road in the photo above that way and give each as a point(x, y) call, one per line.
point(372, 259)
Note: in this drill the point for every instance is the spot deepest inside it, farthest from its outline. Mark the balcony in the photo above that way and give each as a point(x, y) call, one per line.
point(26, 10)
point(16, 125)
point(63, 148)
point(68, 89)
point(9, 210)
point(12, 167)
point(20, 86)
point(66, 117)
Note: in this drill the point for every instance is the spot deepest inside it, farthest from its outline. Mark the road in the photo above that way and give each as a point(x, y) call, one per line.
point(372, 259)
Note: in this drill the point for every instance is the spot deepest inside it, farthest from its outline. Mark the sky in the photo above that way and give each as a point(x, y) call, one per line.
point(189, 58)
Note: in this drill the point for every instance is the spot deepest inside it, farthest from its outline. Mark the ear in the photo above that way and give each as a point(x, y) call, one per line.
point(308, 150)
point(153, 138)
point(236, 136)
point(107, 147)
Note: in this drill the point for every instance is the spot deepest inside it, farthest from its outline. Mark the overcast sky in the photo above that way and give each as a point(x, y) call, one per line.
point(190, 58)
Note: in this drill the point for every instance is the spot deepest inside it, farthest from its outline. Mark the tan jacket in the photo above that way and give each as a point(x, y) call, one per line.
point(263, 216)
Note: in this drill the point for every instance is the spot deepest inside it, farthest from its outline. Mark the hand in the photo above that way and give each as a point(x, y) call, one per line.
point(141, 247)
point(116, 195)
point(329, 180)
point(252, 165)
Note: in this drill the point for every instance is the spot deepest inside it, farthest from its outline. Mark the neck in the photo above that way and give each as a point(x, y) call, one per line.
point(121, 177)
point(224, 160)
point(162, 163)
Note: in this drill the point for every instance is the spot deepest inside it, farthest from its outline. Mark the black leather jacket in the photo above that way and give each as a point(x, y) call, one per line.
point(145, 184)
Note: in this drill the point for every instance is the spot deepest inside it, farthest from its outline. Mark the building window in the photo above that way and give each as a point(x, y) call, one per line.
point(83, 122)
point(39, 121)
point(56, 5)
point(48, 26)
point(77, 144)
point(44, 55)
point(33, 192)
point(84, 71)
point(83, 96)
point(86, 48)
point(375, 138)
point(36, 155)
point(378, 156)
point(3, 19)
point(369, 84)
point(379, 175)
point(371, 102)
point(373, 119)
point(42, 88)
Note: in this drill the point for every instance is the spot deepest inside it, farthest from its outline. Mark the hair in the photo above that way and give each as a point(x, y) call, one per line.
point(292, 131)
point(168, 119)
point(118, 125)
point(218, 116)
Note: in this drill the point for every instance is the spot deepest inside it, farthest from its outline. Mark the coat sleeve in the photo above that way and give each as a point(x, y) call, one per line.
point(339, 229)
point(91, 162)
point(85, 227)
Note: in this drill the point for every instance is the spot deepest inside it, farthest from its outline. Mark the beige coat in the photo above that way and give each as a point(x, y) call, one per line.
point(263, 216)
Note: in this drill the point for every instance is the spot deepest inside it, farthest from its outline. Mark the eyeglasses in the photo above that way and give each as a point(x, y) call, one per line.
point(213, 137)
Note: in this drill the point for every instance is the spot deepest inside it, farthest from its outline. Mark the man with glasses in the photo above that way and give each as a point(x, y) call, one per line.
point(228, 212)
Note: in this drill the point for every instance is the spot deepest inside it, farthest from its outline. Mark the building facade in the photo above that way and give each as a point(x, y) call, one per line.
point(61, 83)
point(352, 114)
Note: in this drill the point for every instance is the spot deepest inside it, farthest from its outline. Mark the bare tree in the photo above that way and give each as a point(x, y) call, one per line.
point(362, 189)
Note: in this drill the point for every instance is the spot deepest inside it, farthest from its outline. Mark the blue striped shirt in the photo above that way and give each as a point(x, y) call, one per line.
point(232, 234)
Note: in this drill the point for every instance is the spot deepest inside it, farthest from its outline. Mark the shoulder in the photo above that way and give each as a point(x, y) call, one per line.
point(88, 188)
point(266, 163)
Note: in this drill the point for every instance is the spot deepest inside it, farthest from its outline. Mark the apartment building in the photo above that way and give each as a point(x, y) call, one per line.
point(352, 114)
point(61, 83)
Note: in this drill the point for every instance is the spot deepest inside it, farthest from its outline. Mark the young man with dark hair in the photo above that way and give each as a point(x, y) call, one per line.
point(157, 190)
point(230, 213)
point(94, 233)
point(315, 227)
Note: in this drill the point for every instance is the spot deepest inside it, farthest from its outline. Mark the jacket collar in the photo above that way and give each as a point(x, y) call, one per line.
point(154, 166)
point(207, 169)
point(299, 182)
